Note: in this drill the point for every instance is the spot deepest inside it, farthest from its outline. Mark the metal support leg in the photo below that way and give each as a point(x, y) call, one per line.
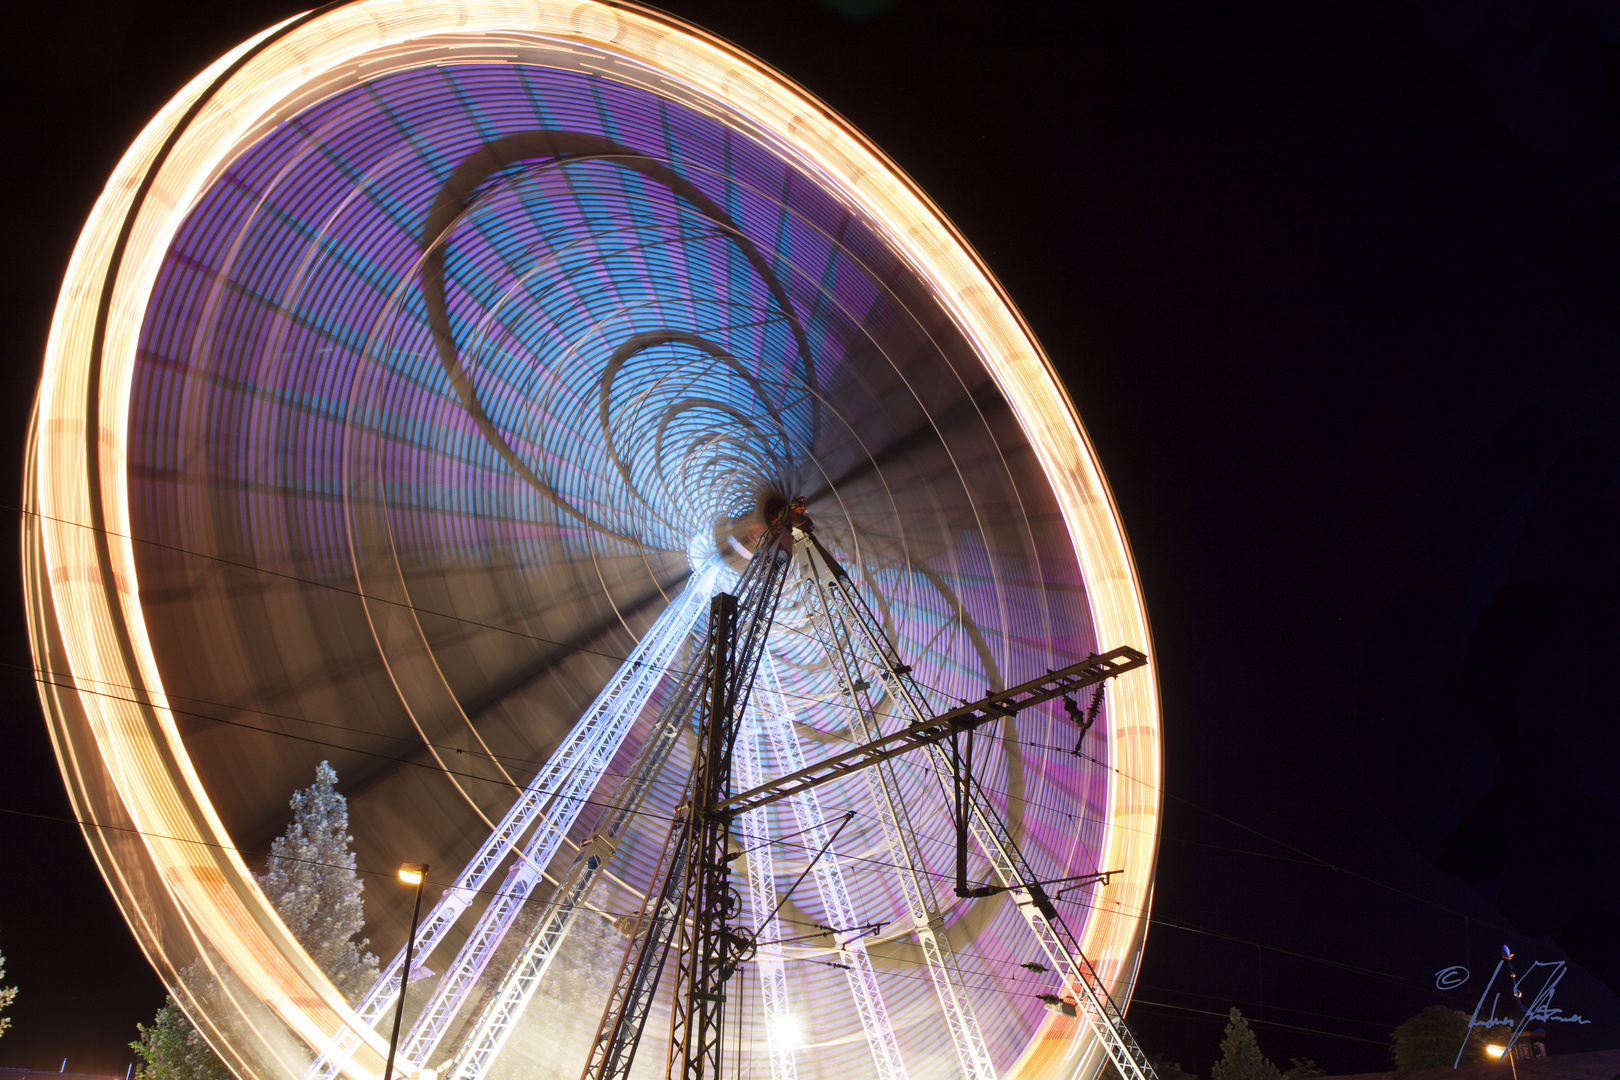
point(710, 947)
point(565, 783)
point(921, 902)
point(761, 865)
point(777, 720)
point(991, 835)
point(613, 1051)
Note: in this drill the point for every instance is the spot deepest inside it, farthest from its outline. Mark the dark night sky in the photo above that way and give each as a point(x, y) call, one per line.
point(1336, 288)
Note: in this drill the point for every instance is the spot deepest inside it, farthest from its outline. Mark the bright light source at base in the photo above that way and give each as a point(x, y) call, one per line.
point(1495, 1051)
point(787, 1033)
point(411, 873)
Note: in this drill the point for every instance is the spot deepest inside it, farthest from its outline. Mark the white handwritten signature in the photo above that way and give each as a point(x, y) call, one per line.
point(1540, 1009)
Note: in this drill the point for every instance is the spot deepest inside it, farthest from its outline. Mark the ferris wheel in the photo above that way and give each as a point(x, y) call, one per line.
point(659, 517)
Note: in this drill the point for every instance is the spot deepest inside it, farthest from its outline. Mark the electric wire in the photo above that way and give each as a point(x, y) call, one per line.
point(926, 835)
point(1309, 858)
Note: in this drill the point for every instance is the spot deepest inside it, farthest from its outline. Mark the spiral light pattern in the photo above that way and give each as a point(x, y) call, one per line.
point(409, 362)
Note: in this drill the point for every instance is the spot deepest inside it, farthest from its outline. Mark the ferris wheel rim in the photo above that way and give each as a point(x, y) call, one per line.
point(59, 504)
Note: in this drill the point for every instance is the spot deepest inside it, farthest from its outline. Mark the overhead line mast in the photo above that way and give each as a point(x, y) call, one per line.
point(939, 729)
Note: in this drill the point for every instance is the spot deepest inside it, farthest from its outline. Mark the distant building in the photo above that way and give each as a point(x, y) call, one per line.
point(41, 1074)
point(1531, 1063)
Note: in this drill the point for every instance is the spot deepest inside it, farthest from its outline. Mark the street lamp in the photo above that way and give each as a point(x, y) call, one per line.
point(410, 873)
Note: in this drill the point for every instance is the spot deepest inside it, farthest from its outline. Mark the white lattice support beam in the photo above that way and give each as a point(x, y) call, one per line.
point(494, 1024)
point(950, 984)
point(1095, 1005)
point(554, 798)
point(776, 721)
point(761, 865)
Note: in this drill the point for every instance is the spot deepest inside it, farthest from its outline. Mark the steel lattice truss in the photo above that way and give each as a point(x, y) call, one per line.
point(695, 912)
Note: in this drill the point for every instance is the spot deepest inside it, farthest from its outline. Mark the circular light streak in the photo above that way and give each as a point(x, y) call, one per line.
point(600, 403)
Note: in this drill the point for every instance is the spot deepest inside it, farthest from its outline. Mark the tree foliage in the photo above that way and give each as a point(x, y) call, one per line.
point(311, 881)
point(8, 994)
point(170, 1048)
point(1169, 1070)
point(1303, 1069)
point(1240, 1054)
point(1165, 1070)
point(1433, 1037)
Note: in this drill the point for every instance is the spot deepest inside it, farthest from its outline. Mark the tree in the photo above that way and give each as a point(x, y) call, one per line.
point(1164, 1070)
point(1169, 1070)
point(8, 994)
point(1303, 1069)
point(311, 881)
point(1433, 1037)
point(172, 1049)
point(1240, 1054)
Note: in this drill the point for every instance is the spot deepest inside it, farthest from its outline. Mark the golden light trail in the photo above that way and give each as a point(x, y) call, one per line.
point(190, 899)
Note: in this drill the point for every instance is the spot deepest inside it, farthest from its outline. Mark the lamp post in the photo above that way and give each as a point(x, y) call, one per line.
point(411, 874)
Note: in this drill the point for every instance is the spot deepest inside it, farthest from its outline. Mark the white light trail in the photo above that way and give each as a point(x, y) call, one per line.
point(182, 888)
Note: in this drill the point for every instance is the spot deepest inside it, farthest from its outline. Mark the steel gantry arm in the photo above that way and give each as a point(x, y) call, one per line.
point(564, 783)
point(928, 732)
point(939, 729)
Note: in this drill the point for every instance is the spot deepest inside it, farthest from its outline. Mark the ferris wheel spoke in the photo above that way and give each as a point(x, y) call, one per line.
point(524, 978)
point(607, 723)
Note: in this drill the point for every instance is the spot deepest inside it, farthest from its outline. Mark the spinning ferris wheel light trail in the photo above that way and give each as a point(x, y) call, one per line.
point(414, 362)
